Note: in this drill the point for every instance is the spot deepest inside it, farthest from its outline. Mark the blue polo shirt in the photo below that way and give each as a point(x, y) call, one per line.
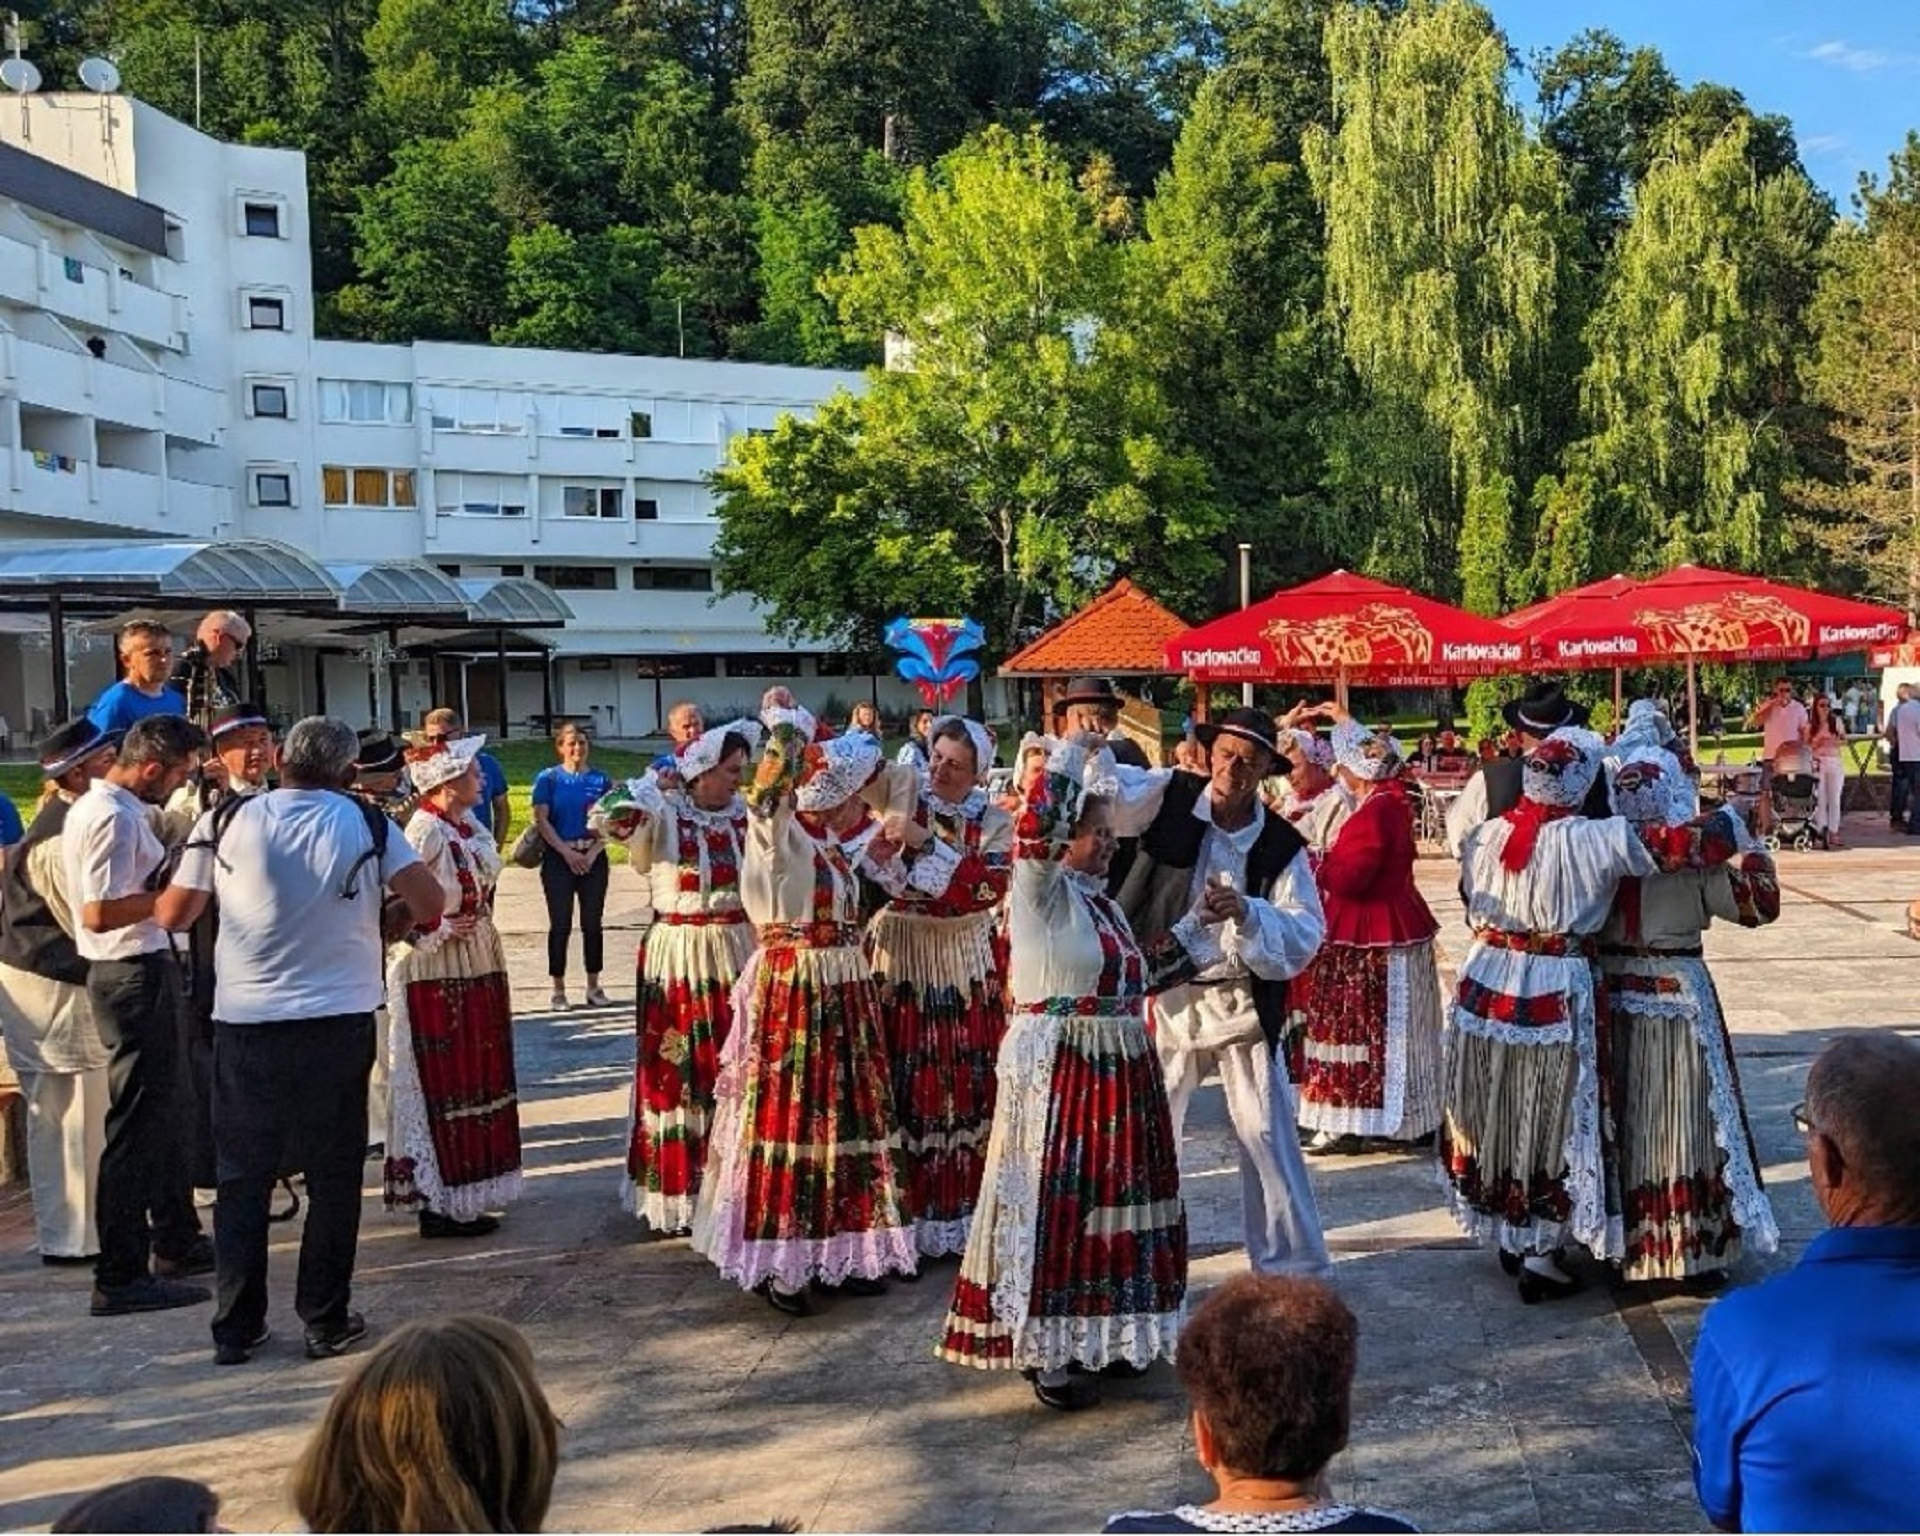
point(568, 797)
point(493, 784)
point(121, 705)
point(1806, 1391)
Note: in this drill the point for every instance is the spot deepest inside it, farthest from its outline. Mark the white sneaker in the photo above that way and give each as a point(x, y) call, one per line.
point(558, 1002)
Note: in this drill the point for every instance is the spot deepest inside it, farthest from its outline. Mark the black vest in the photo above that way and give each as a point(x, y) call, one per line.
point(31, 938)
point(1172, 842)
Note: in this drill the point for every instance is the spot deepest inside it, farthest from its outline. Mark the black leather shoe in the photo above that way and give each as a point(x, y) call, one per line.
point(147, 1294)
point(860, 1285)
point(293, 1204)
point(791, 1303)
point(433, 1224)
point(325, 1343)
point(1074, 1395)
point(67, 1260)
point(230, 1352)
point(1536, 1287)
point(1509, 1263)
point(1122, 1370)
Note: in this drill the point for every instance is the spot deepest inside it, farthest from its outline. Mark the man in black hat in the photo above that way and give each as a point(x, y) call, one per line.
point(1221, 896)
point(1495, 788)
point(51, 1040)
point(1093, 704)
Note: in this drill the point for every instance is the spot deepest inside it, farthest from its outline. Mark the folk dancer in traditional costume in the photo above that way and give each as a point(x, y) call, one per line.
point(800, 1183)
point(687, 844)
point(1077, 1260)
point(1689, 1178)
point(941, 974)
point(1371, 996)
point(1227, 1012)
point(1525, 1132)
point(52, 1043)
point(454, 1122)
point(1496, 786)
point(1310, 797)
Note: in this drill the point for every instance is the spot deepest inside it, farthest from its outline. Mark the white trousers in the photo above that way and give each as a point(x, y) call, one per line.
point(1830, 779)
point(66, 1130)
point(1276, 1195)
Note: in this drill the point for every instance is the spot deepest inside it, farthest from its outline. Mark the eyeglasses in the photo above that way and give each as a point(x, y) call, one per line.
point(1801, 1122)
point(438, 739)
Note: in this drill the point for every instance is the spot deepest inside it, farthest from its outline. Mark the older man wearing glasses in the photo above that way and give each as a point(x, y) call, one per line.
point(1806, 1389)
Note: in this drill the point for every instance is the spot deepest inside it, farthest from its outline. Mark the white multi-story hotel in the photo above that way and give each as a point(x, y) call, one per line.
point(160, 380)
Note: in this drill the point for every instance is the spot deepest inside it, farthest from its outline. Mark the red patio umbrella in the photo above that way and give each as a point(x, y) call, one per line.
point(1570, 607)
point(1694, 613)
point(1346, 629)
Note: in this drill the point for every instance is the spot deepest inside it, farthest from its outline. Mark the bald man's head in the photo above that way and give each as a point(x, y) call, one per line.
point(1863, 1095)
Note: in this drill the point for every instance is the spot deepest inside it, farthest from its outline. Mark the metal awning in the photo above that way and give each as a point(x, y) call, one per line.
point(513, 602)
point(399, 590)
point(235, 573)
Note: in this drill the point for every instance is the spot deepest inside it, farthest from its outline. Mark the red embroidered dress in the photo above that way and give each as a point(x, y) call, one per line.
point(1078, 1251)
point(800, 1181)
point(454, 1116)
point(940, 968)
point(1370, 1057)
point(697, 942)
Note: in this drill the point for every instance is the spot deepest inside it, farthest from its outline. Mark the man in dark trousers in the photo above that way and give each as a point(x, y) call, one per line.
point(1495, 788)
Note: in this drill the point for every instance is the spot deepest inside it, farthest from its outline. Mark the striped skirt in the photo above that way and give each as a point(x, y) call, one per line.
point(453, 1135)
point(944, 1010)
point(1078, 1253)
point(800, 1182)
point(1690, 1183)
point(1370, 1046)
point(687, 972)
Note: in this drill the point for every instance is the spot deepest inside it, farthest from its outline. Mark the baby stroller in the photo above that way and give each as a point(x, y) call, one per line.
point(1793, 795)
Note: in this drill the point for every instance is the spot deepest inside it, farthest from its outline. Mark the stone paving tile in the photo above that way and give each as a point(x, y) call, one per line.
point(686, 1403)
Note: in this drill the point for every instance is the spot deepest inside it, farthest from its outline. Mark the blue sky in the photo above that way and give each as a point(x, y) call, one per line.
point(1847, 72)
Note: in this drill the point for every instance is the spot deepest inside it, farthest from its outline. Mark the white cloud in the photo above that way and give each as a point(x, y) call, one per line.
point(1825, 146)
point(1861, 61)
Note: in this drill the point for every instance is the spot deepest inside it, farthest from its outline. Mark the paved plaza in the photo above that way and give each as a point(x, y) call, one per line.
point(688, 1404)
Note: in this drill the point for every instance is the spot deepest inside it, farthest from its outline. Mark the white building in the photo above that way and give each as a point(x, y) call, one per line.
point(160, 377)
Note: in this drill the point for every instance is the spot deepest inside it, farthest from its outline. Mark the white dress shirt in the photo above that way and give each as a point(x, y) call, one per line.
point(111, 851)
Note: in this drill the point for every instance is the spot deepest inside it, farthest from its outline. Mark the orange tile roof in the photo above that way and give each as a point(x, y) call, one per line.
point(1121, 631)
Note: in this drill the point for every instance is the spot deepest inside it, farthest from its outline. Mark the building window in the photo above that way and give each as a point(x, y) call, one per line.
point(272, 487)
point(673, 578)
point(460, 494)
point(265, 314)
point(268, 400)
point(641, 424)
point(355, 487)
point(479, 410)
point(261, 219)
point(761, 664)
point(365, 402)
point(577, 578)
point(592, 501)
point(449, 570)
point(646, 509)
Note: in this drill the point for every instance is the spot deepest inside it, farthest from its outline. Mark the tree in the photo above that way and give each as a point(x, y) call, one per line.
point(429, 57)
point(1691, 394)
point(1020, 458)
point(1445, 243)
point(1865, 369)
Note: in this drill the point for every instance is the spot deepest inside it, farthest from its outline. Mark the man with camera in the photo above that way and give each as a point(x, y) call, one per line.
point(205, 677)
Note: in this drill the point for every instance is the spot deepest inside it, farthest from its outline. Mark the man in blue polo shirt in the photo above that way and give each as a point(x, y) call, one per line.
point(1806, 1389)
point(145, 650)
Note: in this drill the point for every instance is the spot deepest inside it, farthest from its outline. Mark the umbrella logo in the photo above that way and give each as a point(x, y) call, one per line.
point(1731, 623)
point(1375, 634)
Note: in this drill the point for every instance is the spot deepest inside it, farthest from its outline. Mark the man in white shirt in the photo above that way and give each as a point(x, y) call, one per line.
point(1221, 897)
point(298, 972)
point(114, 862)
point(1903, 731)
point(1784, 730)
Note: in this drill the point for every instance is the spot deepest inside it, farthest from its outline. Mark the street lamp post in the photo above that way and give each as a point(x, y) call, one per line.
point(1246, 600)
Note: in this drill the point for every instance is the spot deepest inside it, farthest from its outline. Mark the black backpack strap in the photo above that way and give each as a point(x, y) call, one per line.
point(379, 828)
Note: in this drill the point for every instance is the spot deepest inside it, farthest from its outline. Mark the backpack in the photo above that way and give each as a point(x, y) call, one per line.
point(379, 827)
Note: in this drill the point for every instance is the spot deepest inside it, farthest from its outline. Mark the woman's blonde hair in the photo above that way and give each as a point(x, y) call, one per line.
point(444, 1428)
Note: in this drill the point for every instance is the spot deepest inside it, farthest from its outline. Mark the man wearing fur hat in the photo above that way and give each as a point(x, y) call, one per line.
point(1222, 895)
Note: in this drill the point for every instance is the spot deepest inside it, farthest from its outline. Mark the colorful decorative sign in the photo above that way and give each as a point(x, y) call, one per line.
point(934, 655)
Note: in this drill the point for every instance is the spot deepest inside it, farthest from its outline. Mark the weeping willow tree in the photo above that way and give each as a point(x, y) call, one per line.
point(1690, 396)
point(1445, 238)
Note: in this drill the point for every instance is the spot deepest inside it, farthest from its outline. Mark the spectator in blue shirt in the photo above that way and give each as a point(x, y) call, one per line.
point(1806, 1389)
point(574, 866)
point(12, 829)
point(146, 662)
point(494, 811)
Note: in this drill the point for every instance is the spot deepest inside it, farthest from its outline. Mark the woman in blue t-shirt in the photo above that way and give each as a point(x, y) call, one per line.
point(574, 866)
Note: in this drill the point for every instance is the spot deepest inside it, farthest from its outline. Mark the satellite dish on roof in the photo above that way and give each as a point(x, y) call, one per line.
point(19, 76)
point(99, 76)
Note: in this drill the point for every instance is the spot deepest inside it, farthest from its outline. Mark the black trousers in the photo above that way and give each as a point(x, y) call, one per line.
point(137, 1007)
point(1906, 795)
point(288, 1094)
point(561, 887)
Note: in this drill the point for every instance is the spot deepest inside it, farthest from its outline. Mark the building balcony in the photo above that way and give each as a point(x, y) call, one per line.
point(655, 460)
point(38, 277)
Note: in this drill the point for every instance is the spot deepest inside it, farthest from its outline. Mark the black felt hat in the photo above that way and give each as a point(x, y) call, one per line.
point(1252, 725)
point(379, 753)
point(66, 748)
point(1543, 709)
point(1088, 690)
